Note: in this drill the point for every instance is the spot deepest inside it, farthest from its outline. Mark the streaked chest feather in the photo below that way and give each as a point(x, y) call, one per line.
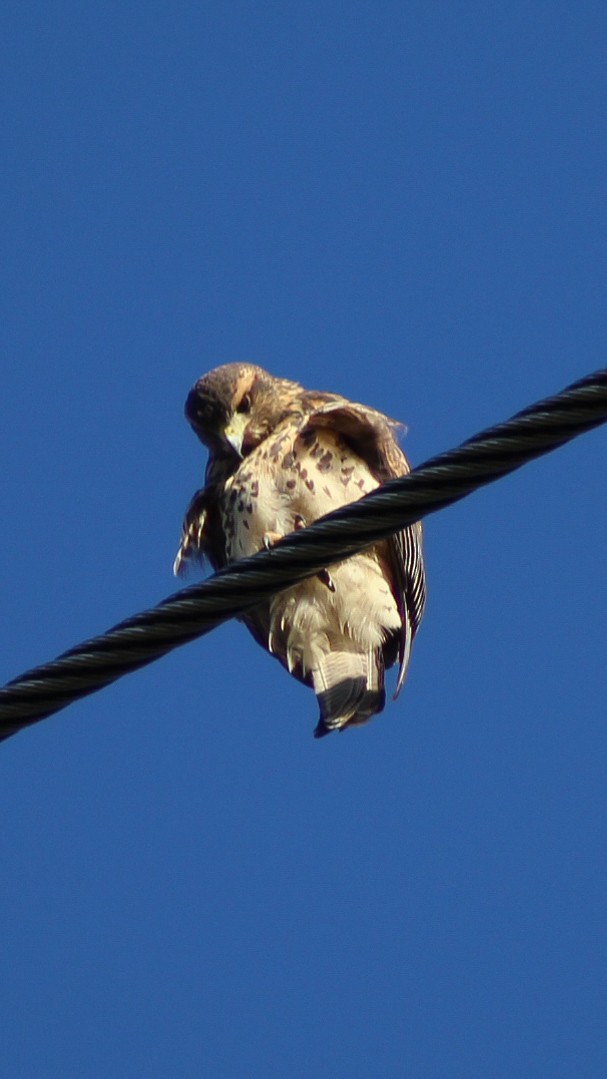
point(290, 480)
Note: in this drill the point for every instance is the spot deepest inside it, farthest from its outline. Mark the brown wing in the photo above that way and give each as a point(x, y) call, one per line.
point(370, 435)
point(201, 534)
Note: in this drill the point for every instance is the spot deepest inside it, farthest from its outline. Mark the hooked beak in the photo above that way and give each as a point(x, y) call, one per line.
point(234, 431)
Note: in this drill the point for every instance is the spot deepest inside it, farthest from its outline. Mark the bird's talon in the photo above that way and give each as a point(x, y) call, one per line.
point(270, 538)
point(327, 579)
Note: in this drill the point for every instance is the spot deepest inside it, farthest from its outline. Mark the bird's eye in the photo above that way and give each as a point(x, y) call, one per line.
point(245, 404)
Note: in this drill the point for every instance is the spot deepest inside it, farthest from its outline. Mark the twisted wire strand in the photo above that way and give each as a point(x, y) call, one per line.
point(196, 610)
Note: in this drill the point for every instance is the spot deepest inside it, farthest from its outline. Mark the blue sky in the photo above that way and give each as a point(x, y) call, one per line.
point(404, 203)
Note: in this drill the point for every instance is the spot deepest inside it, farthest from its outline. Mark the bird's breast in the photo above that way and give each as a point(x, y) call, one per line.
point(290, 480)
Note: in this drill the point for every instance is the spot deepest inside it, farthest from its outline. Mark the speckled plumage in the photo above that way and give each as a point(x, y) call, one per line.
point(279, 458)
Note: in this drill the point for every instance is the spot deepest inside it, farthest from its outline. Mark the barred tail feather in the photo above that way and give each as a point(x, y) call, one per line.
point(349, 690)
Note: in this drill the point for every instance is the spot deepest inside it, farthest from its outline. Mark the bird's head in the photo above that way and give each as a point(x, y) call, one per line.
point(236, 406)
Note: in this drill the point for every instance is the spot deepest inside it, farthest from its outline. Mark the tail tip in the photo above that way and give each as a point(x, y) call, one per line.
point(321, 729)
point(363, 704)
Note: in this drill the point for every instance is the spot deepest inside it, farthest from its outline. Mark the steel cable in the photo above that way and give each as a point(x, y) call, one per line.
point(196, 610)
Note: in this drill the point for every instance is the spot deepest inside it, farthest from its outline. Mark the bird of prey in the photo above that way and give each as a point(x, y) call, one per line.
point(280, 457)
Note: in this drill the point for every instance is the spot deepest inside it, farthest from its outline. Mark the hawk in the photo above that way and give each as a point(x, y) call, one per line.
point(280, 457)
